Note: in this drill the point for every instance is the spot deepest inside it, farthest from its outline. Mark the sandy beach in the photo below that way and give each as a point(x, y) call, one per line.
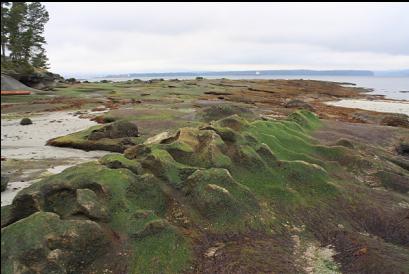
point(26, 152)
point(378, 105)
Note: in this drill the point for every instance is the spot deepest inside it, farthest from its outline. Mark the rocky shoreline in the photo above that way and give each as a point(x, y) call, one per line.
point(215, 176)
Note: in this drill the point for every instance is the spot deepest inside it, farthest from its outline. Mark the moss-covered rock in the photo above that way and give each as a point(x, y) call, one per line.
point(230, 181)
point(305, 118)
point(202, 148)
point(218, 196)
point(118, 129)
point(296, 103)
point(345, 143)
point(91, 206)
point(4, 182)
point(43, 243)
point(117, 160)
point(216, 112)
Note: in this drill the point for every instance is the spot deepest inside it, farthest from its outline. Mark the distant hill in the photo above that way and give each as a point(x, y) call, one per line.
point(253, 72)
point(392, 73)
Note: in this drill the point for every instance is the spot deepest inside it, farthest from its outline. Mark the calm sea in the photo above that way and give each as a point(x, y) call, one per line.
point(391, 87)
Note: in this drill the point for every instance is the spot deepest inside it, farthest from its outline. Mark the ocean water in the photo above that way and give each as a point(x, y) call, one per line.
point(390, 87)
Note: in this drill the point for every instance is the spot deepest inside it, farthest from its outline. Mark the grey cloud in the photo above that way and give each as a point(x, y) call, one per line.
point(133, 37)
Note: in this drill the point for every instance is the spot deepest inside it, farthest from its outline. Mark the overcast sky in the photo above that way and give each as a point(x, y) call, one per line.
point(105, 38)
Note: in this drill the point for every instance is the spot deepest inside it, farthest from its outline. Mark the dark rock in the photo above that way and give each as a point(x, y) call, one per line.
point(296, 103)
point(345, 143)
point(395, 120)
point(217, 93)
point(4, 182)
point(119, 129)
point(403, 149)
point(25, 121)
point(41, 80)
point(152, 81)
point(216, 112)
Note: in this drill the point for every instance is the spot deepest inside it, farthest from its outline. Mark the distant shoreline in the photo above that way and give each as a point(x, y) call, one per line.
point(389, 87)
point(249, 73)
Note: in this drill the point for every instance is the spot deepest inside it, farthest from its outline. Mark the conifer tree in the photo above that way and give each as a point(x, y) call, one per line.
point(22, 33)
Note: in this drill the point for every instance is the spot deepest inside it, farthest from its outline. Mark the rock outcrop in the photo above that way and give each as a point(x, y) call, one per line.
point(118, 129)
point(395, 120)
point(229, 183)
point(296, 103)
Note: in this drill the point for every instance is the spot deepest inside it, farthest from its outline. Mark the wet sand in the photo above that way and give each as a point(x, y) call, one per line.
point(22, 144)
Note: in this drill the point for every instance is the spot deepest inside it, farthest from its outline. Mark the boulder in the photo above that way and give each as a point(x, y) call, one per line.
point(118, 129)
point(296, 103)
point(44, 243)
point(26, 121)
point(159, 138)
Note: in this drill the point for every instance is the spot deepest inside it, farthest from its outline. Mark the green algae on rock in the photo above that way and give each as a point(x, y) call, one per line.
point(233, 181)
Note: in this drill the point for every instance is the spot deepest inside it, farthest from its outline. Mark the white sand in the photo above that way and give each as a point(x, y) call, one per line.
point(378, 105)
point(28, 142)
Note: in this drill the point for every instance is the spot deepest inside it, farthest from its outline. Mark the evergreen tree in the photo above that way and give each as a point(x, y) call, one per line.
point(23, 33)
point(40, 60)
point(4, 32)
point(37, 17)
point(15, 28)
